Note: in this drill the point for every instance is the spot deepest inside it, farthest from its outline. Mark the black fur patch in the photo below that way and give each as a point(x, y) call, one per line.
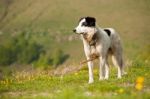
point(90, 21)
point(107, 31)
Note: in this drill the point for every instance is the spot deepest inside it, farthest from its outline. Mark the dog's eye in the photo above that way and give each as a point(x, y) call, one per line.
point(84, 24)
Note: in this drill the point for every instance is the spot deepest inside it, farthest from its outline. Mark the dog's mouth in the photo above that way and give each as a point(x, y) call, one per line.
point(80, 33)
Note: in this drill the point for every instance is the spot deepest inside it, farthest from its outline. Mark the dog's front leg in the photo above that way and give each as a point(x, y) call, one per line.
point(106, 70)
point(90, 67)
point(102, 68)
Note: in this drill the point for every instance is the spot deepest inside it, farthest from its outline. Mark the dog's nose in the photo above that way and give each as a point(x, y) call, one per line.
point(74, 30)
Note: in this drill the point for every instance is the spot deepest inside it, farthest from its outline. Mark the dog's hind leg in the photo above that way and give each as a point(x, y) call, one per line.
point(118, 61)
point(106, 70)
point(102, 68)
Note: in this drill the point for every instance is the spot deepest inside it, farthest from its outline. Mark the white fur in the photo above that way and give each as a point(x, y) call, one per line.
point(102, 49)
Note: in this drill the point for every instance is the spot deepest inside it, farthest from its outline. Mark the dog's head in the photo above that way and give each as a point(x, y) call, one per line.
point(86, 25)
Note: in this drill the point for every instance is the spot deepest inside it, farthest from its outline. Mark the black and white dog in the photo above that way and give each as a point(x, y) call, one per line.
point(100, 43)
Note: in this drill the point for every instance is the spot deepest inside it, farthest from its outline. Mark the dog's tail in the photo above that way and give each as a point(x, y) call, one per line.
point(119, 63)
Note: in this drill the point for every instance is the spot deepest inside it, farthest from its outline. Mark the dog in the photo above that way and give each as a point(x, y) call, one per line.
point(99, 43)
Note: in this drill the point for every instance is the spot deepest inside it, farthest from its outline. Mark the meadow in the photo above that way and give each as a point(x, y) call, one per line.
point(42, 85)
point(29, 25)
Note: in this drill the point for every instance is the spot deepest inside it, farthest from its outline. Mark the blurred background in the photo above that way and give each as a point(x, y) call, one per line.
point(38, 33)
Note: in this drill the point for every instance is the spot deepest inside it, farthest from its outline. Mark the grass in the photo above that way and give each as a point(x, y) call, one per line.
point(74, 86)
point(49, 20)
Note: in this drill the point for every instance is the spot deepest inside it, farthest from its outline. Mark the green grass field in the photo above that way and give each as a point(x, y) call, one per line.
point(50, 24)
point(42, 85)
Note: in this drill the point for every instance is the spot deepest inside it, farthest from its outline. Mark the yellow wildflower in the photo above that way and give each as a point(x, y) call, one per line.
point(76, 74)
point(139, 86)
point(120, 90)
point(139, 83)
point(140, 80)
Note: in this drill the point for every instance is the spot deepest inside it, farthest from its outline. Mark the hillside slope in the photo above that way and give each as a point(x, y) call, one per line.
point(58, 17)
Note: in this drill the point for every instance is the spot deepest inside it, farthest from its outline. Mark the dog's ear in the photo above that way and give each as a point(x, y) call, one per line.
point(81, 18)
point(91, 21)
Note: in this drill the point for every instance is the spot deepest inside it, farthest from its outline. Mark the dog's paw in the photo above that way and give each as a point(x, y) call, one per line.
point(119, 77)
point(101, 78)
point(106, 78)
point(91, 81)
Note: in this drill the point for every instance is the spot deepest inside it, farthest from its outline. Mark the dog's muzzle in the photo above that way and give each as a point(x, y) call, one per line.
point(74, 30)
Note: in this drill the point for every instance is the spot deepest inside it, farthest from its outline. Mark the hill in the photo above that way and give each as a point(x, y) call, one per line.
point(55, 17)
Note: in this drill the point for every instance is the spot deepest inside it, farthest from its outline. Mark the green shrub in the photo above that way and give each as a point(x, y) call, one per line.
point(58, 57)
point(44, 61)
point(23, 50)
point(5, 56)
point(8, 52)
point(51, 58)
point(29, 53)
point(19, 49)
